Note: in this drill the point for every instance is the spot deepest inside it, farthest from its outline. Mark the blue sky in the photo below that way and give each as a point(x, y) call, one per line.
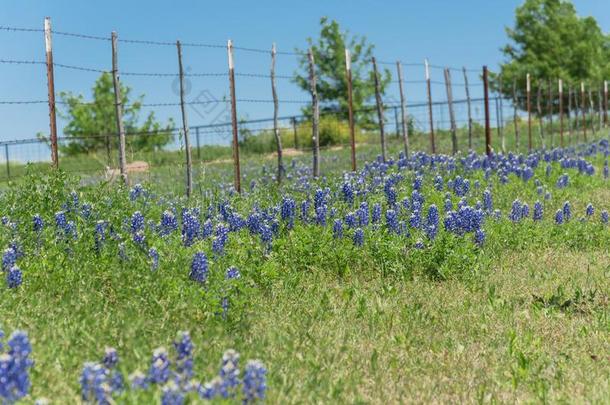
point(455, 33)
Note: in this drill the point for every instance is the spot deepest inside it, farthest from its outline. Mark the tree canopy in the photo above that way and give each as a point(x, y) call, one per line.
point(329, 57)
point(550, 41)
point(93, 125)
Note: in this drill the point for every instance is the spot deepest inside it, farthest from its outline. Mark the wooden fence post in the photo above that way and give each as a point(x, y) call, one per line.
point(583, 107)
point(540, 114)
point(467, 88)
point(403, 110)
point(118, 108)
point(549, 104)
point(560, 112)
point(51, 91)
point(500, 113)
point(429, 89)
point(185, 126)
point(379, 110)
point(350, 107)
point(605, 103)
point(316, 114)
point(515, 116)
point(528, 92)
point(454, 140)
point(600, 109)
point(488, 148)
point(293, 120)
point(198, 143)
point(591, 111)
point(237, 169)
point(569, 113)
point(276, 130)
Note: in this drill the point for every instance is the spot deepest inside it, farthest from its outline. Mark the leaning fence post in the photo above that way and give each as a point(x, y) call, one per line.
point(294, 132)
point(605, 103)
point(198, 143)
point(429, 89)
point(515, 116)
point(8, 166)
point(583, 107)
point(118, 108)
point(403, 110)
point(560, 112)
point(379, 110)
point(528, 92)
point(276, 130)
point(237, 169)
point(467, 88)
point(350, 107)
point(51, 91)
point(487, 125)
point(185, 127)
point(454, 140)
point(315, 113)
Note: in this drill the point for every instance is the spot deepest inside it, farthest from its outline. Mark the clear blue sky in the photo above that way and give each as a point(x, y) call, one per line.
point(456, 33)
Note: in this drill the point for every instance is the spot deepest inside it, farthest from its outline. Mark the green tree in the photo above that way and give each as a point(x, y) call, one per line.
point(92, 126)
point(329, 57)
point(550, 41)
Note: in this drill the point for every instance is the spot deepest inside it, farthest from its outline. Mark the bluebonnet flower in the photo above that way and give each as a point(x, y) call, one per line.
point(255, 381)
point(168, 224)
point(137, 222)
point(321, 214)
point(358, 237)
point(391, 219)
point(432, 222)
point(417, 183)
point(590, 210)
point(14, 277)
point(348, 192)
point(539, 190)
point(9, 258)
point(567, 211)
point(479, 237)
point(305, 204)
point(190, 228)
point(516, 212)
point(60, 220)
point(207, 229)
point(338, 229)
point(287, 211)
point(363, 214)
point(487, 201)
point(559, 217)
point(525, 210)
point(438, 183)
point(153, 254)
point(111, 358)
point(199, 268)
point(99, 235)
point(85, 210)
point(415, 219)
point(604, 217)
point(376, 214)
point(220, 240)
point(229, 372)
point(232, 273)
point(538, 211)
point(606, 171)
point(184, 357)
point(38, 223)
point(448, 206)
point(95, 386)
point(266, 235)
point(547, 196)
point(563, 181)
point(136, 191)
point(390, 194)
point(419, 244)
point(14, 368)
point(138, 380)
point(548, 170)
point(158, 373)
point(139, 239)
point(172, 394)
point(319, 198)
point(350, 220)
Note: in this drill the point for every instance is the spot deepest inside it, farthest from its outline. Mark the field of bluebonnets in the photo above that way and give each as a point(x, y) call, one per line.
point(430, 278)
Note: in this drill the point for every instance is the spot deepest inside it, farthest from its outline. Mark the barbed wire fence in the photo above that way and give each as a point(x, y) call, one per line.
point(465, 111)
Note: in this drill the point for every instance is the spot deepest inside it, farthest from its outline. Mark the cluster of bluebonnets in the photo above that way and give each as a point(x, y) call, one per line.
point(412, 199)
point(174, 376)
point(15, 364)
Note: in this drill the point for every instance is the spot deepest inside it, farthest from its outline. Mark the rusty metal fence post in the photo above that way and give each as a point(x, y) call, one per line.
point(118, 108)
point(51, 91)
point(237, 168)
point(380, 116)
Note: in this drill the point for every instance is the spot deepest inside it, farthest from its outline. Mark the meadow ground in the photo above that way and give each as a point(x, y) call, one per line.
point(523, 316)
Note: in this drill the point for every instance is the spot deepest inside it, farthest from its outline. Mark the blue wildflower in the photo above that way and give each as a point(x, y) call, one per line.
point(199, 268)
point(14, 277)
point(158, 373)
point(338, 229)
point(538, 211)
point(358, 238)
point(559, 217)
point(153, 254)
point(255, 382)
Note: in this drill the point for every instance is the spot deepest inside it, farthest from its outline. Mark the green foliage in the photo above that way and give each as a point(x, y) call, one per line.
point(329, 57)
point(549, 40)
point(92, 126)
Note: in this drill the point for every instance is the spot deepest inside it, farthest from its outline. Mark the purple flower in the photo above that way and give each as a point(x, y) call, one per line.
point(199, 268)
point(255, 381)
point(13, 277)
point(358, 238)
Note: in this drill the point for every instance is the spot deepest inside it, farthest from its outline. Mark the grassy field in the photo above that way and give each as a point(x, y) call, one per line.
point(405, 318)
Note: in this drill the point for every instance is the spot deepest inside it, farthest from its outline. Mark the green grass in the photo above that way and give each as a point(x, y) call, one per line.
point(526, 318)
